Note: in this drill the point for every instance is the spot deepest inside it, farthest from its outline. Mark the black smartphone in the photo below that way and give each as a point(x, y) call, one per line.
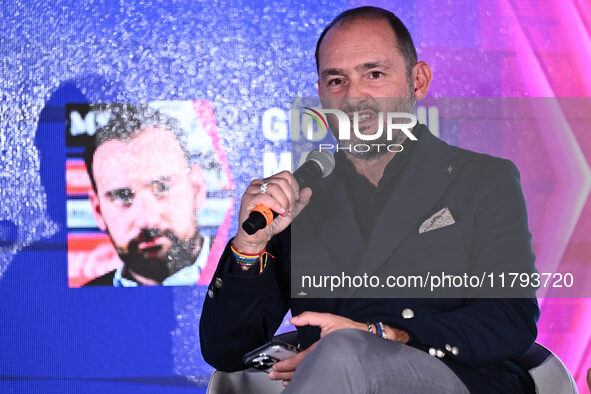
point(270, 353)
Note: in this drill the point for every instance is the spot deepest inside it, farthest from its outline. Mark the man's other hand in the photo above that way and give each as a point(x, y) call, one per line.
point(326, 321)
point(284, 370)
point(329, 323)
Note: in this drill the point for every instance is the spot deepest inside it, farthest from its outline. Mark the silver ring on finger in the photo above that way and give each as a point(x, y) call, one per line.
point(263, 187)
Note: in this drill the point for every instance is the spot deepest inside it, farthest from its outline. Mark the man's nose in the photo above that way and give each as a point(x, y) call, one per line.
point(355, 89)
point(146, 210)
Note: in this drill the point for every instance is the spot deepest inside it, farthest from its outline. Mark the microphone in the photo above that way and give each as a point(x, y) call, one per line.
point(319, 164)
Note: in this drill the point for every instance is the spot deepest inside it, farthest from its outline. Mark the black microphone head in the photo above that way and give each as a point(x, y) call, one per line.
point(318, 165)
point(324, 159)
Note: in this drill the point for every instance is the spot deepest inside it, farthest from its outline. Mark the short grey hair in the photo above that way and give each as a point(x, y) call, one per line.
point(127, 121)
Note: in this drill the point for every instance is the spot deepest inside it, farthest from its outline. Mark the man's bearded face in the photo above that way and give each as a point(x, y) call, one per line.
point(146, 201)
point(361, 69)
point(368, 110)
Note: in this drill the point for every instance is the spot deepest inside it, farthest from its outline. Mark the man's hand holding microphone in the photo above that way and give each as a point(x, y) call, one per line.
point(269, 205)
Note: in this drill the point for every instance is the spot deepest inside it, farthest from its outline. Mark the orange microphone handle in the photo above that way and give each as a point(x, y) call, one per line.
point(259, 218)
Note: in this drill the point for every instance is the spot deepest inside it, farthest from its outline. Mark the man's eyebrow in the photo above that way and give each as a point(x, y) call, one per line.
point(332, 71)
point(370, 65)
point(361, 67)
point(111, 193)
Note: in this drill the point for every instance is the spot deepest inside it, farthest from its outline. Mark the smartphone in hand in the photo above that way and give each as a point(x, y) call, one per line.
point(270, 353)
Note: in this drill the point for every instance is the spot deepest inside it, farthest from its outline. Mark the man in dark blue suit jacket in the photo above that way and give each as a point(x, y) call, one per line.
point(375, 210)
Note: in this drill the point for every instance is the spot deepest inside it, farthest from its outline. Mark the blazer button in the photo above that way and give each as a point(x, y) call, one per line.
point(455, 351)
point(210, 293)
point(440, 353)
point(432, 351)
point(408, 313)
point(218, 282)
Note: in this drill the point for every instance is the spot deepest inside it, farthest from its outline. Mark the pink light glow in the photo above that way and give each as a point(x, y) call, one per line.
point(571, 189)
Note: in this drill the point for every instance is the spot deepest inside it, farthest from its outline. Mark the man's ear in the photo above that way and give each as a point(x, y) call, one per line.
point(198, 181)
point(421, 79)
point(96, 210)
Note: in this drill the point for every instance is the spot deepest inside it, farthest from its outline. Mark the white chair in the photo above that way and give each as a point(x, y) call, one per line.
point(250, 381)
point(548, 371)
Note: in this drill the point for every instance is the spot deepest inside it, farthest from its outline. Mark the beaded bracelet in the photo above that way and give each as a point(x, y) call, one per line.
point(381, 329)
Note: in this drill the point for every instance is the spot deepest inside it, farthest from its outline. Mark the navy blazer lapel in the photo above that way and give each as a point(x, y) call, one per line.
point(332, 217)
point(427, 175)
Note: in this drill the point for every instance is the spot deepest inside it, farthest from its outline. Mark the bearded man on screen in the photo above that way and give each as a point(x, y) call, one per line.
point(145, 195)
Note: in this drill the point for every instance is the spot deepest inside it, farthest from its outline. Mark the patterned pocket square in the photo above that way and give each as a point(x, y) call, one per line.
point(440, 219)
